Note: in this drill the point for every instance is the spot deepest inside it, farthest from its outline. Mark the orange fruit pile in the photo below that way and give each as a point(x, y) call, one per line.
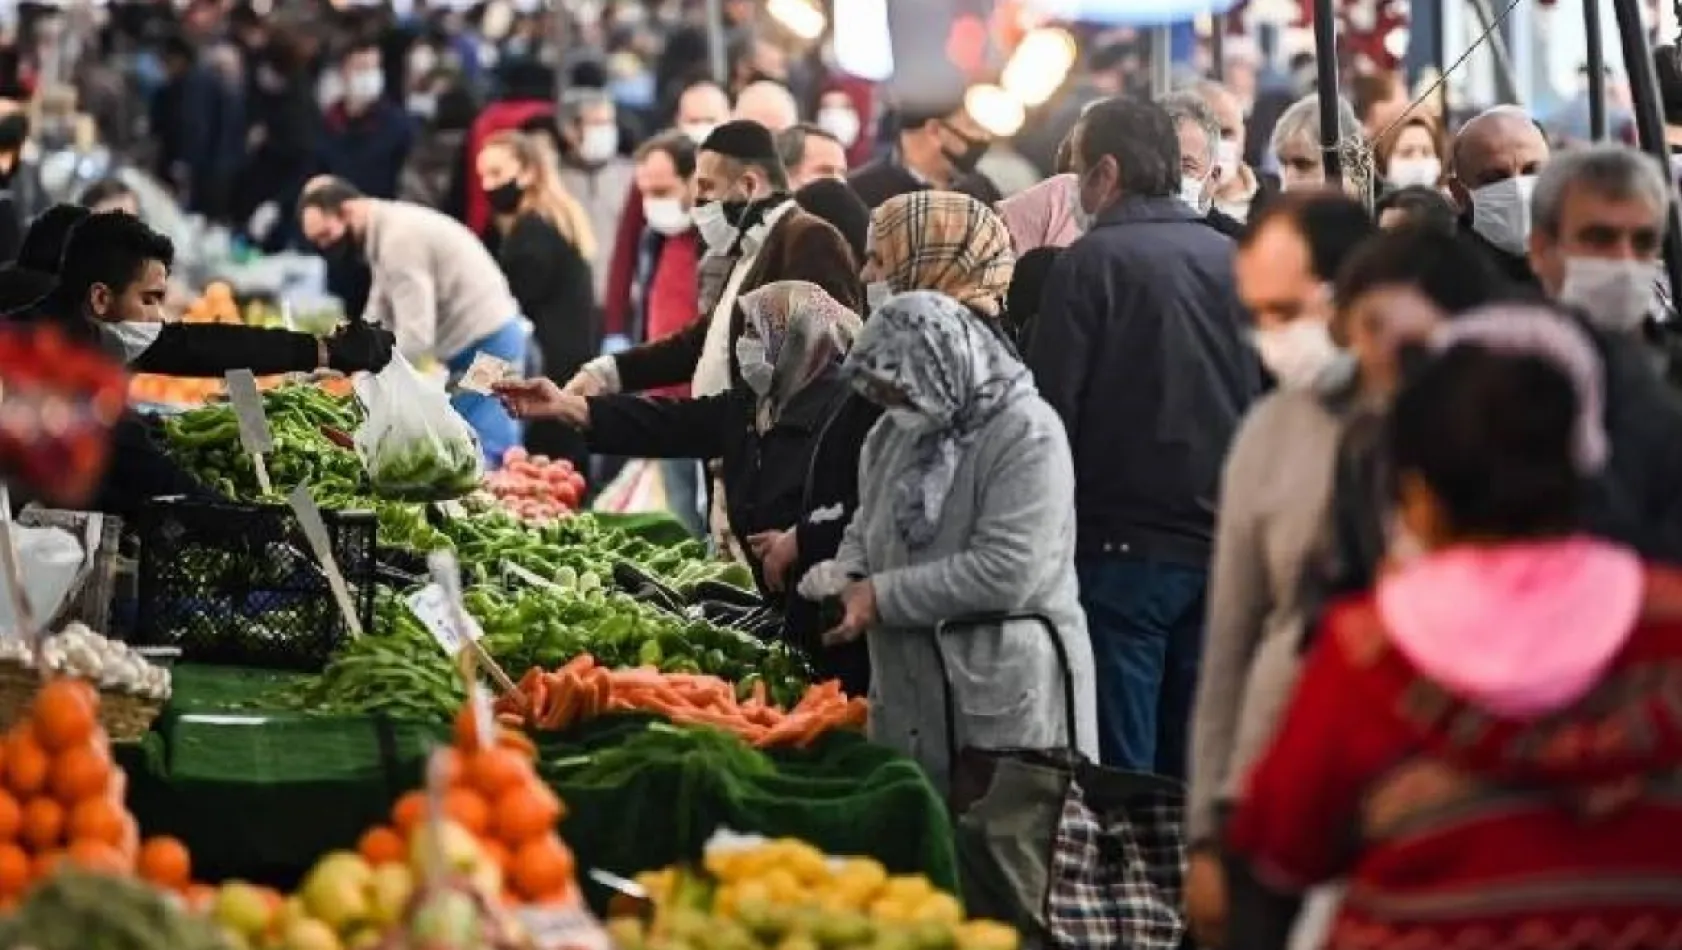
point(61, 799)
point(494, 793)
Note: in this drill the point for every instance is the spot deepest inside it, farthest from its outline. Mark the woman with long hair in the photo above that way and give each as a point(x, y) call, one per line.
point(541, 236)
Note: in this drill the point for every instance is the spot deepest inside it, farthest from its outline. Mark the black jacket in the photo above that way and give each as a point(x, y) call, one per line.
point(141, 470)
point(551, 281)
point(1514, 267)
point(1141, 348)
point(886, 178)
point(211, 349)
point(769, 478)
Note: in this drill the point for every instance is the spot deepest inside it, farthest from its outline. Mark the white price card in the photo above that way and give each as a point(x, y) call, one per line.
point(254, 432)
point(431, 606)
point(315, 532)
point(484, 372)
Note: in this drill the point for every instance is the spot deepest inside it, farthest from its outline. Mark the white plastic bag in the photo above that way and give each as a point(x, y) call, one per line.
point(50, 560)
point(413, 442)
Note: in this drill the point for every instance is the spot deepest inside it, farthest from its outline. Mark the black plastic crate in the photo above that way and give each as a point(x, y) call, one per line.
point(237, 584)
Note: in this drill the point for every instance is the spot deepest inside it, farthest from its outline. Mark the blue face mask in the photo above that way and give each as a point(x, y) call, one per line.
point(633, 92)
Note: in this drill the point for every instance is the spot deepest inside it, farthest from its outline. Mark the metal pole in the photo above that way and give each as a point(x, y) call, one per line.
point(1325, 56)
point(1162, 60)
point(1217, 47)
point(716, 54)
point(1597, 70)
point(1505, 79)
point(1649, 122)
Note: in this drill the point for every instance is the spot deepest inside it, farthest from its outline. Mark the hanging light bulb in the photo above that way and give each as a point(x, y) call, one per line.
point(1039, 65)
point(800, 17)
point(994, 109)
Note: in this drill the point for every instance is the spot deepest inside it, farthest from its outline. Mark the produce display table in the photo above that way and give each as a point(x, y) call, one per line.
point(261, 794)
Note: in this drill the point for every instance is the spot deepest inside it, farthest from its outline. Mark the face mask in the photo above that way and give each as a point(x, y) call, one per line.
point(966, 159)
point(1083, 218)
point(128, 340)
point(635, 91)
point(697, 132)
point(756, 370)
point(907, 419)
point(505, 198)
point(665, 215)
point(876, 293)
point(1227, 159)
point(422, 105)
point(1615, 295)
point(1297, 352)
point(1191, 193)
point(716, 230)
point(1501, 213)
point(14, 129)
point(1411, 172)
point(365, 86)
point(841, 122)
point(598, 143)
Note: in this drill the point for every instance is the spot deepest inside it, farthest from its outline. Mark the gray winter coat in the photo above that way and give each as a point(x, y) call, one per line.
point(1006, 544)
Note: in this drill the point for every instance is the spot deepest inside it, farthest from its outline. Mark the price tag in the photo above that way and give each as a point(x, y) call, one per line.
point(447, 576)
point(315, 532)
point(562, 928)
point(431, 606)
point(484, 717)
point(484, 372)
point(254, 432)
point(453, 510)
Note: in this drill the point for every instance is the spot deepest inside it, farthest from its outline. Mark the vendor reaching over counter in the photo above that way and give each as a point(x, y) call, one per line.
point(434, 285)
point(113, 276)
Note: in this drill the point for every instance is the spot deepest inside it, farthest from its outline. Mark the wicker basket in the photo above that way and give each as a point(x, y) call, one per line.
point(124, 716)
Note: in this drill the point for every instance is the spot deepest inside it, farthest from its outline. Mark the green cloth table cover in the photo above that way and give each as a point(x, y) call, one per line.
point(260, 793)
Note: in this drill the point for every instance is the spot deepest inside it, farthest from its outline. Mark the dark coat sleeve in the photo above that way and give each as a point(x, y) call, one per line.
point(643, 427)
point(211, 349)
point(551, 282)
point(834, 482)
point(1065, 336)
point(140, 470)
point(668, 361)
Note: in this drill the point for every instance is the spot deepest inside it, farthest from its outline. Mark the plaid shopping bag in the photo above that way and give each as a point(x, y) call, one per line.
point(1116, 873)
point(1074, 855)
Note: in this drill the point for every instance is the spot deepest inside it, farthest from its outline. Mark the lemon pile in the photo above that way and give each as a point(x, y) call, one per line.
point(788, 895)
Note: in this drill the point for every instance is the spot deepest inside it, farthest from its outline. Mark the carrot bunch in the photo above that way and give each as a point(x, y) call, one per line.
point(583, 690)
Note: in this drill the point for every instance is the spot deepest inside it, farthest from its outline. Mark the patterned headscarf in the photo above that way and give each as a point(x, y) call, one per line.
point(952, 370)
point(941, 240)
point(804, 330)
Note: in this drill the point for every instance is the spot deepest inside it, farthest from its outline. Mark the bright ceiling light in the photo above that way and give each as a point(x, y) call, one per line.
point(800, 17)
point(994, 109)
point(1039, 65)
point(863, 46)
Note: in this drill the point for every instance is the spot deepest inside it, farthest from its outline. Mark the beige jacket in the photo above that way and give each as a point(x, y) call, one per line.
point(435, 285)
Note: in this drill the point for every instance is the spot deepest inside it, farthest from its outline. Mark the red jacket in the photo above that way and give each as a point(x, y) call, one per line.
point(494, 118)
point(670, 301)
point(1458, 829)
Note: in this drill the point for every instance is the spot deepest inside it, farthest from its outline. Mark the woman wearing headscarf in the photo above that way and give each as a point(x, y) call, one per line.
point(785, 451)
point(966, 508)
point(1046, 215)
point(942, 241)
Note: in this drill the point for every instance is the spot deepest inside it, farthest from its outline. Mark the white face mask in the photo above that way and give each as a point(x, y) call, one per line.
point(1297, 352)
point(1615, 295)
point(716, 230)
point(598, 143)
point(697, 132)
point(364, 86)
point(1191, 192)
point(1501, 213)
point(841, 122)
point(1083, 218)
point(1411, 172)
point(128, 340)
point(666, 215)
point(1227, 159)
point(756, 370)
point(422, 105)
point(876, 293)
